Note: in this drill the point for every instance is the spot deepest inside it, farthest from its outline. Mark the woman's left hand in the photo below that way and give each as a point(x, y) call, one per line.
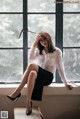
point(70, 87)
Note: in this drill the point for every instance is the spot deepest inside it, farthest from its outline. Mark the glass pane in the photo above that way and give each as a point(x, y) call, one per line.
point(38, 23)
point(11, 5)
point(41, 5)
point(72, 64)
point(11, 65)
point(71, 6)
point(10, 27)
point(71, 30)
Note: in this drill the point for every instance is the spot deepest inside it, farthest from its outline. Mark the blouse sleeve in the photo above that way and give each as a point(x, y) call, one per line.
point(61, 67)
point(33, 53)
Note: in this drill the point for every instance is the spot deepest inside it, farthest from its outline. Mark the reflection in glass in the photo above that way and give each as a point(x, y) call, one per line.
point(11, 5)
point(38, 23)
point(11, 65)
point(71, 5)
point(10, 27)
point(71, 30)
point(41, 6)
point(72, 64)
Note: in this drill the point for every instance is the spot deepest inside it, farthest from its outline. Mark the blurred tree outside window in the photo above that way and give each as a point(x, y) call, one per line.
point(11, 47)
point(71, 39)
point(41, 16)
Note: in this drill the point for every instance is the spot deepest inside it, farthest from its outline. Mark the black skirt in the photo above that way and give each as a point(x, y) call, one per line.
point(44, 78)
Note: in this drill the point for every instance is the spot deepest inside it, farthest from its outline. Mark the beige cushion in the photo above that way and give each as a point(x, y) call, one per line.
point(20, 113)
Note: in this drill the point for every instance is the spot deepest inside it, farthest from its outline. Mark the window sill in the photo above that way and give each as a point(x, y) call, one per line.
point(53, 89)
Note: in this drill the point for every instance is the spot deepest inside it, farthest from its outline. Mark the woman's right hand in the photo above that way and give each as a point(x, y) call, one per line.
point(36, 41)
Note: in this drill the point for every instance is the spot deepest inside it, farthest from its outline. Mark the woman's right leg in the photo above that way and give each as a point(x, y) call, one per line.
point(30, 68)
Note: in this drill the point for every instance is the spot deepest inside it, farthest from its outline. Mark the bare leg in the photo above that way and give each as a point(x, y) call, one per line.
point(30, 68)
point(30, 86)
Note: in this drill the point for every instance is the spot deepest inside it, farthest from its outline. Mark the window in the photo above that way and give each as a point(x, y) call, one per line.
point(71, 39)
point(41, 17)
point(11, 6)
point(71, 5)
point(56, 17)
point(41, 6)
point(11, 48)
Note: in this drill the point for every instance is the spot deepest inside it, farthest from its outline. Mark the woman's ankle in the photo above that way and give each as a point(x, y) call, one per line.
point(28, 105)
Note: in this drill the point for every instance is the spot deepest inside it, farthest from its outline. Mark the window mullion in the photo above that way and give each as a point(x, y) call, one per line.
point(25, 43)
point(59, 30)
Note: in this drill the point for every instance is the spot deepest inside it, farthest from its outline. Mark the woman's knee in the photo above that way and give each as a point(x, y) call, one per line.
point(33, 67)
point(33, 74)
point(32, 78)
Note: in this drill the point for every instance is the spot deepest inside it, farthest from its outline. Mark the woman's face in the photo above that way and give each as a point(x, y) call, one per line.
point(43, 41)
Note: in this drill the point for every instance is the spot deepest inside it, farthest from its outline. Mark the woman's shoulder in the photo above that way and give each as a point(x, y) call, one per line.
point(58, 50)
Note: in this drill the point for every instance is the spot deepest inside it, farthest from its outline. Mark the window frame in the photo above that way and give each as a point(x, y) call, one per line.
point(12, 48)
point(65, 13)
point(58, 30)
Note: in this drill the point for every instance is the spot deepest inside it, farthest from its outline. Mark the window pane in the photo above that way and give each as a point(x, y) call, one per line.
point(11, 65)
point(41, 6)
point(71, 6)
point(10, 27)
point(38, 23)
point(72, 64)
point(71, 30)
point(11, 5)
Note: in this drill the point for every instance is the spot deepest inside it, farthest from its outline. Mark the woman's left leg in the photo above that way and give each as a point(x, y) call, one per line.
point(30, 86)
point(31, 67)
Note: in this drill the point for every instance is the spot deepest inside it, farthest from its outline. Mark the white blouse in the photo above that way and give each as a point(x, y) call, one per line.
point(49, 61)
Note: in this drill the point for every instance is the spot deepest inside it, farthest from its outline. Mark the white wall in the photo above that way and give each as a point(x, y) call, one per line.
point(56, 100)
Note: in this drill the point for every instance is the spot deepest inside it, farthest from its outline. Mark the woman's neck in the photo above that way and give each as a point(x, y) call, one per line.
point(46, 50)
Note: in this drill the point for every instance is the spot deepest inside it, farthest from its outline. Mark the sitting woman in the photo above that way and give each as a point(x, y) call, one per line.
point(39, 74)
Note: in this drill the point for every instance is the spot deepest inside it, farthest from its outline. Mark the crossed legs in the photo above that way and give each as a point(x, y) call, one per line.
point(29, 77)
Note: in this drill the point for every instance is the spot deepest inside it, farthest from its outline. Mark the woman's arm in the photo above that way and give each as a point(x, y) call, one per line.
point(33, 53)
point(61, 66)
point(61, 69)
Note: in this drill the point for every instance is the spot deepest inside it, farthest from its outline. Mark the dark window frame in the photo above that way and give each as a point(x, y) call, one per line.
point(65, 13)
point(58, 30)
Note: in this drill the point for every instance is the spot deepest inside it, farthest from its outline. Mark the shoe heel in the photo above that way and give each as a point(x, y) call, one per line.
point(30, 111)
point(16, 99)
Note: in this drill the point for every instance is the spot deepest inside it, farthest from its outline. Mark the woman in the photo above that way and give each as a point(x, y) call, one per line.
point(40, 74)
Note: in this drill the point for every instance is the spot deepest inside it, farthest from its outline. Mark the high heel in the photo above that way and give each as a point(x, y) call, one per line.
point(30, 111)
point(15, 98)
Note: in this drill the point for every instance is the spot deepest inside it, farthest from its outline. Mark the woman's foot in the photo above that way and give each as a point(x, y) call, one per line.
point(29, 109)
point(14, 98)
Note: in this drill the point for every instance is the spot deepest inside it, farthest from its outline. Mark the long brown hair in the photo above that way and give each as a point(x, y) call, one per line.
point(51, 47)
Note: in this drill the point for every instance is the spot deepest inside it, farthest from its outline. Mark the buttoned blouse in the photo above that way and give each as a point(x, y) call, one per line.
point(49, 61)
